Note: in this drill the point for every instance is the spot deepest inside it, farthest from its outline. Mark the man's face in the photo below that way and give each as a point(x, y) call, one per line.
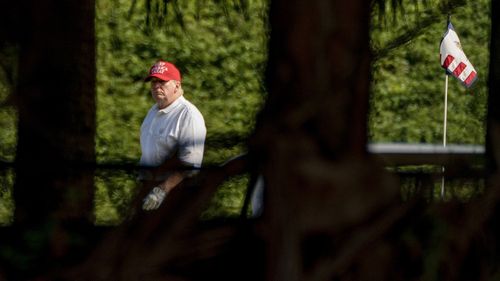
point(164, 92)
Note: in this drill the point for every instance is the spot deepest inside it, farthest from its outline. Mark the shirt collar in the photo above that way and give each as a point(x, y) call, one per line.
point(171, 106)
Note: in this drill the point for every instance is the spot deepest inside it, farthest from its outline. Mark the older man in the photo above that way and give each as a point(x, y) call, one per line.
point(172, 127)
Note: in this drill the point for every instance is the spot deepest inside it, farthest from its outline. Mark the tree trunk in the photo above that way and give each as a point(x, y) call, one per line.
point(313, 133)
point(493, 132)
point(55, 95)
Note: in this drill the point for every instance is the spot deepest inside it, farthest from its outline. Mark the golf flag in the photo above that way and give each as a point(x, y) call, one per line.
point(453, 58)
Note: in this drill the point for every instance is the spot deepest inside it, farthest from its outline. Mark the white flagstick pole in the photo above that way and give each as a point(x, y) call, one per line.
point(444, 129)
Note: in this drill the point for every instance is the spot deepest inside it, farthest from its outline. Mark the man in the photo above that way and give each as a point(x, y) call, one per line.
point(173, 127)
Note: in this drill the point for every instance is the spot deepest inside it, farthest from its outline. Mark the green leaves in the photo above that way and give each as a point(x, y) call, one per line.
point(407, 102)
point(221, 56)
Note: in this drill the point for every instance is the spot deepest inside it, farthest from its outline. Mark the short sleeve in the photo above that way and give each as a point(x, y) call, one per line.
point(192, 137)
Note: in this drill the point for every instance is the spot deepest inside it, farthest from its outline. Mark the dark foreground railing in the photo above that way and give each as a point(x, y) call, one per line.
point(434, 171)
point(427, 171)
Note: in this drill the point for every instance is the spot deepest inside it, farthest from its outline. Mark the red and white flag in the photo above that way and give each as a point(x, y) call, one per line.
point(453, 58)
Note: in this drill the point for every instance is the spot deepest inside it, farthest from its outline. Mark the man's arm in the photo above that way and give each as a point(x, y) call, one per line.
point(172, 181)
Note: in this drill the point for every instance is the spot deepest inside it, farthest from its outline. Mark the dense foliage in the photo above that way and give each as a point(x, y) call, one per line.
point(8, 132)
point(221, 53)
point(408, 82)
point(221, 50)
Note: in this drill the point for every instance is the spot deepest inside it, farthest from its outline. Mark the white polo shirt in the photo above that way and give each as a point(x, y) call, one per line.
point(178, 128)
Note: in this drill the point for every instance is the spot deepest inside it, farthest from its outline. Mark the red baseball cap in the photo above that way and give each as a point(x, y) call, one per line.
point(165, 71)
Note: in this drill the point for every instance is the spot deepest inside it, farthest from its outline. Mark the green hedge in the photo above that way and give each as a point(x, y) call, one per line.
point(221, 56)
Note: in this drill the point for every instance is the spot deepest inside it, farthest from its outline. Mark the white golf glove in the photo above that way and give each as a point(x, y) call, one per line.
point(153, 200)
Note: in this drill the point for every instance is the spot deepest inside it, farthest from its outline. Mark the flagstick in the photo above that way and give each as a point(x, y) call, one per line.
point(444, 129)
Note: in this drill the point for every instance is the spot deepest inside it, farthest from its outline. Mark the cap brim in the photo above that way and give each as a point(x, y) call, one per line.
point(155, 75)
